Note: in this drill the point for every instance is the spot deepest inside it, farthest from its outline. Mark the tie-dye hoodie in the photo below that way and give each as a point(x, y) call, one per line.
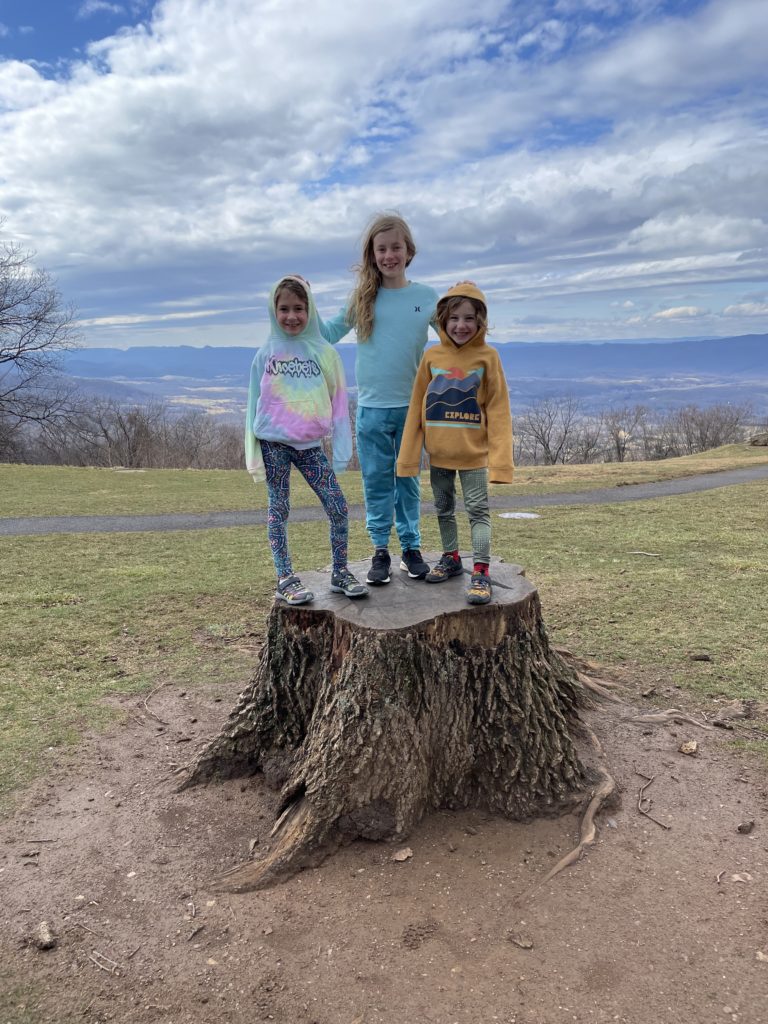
point(297, 393)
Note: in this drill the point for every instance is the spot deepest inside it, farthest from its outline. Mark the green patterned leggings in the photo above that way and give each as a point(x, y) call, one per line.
point(474, 489)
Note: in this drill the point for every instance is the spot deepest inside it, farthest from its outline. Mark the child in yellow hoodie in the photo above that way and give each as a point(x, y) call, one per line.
point(459, 412)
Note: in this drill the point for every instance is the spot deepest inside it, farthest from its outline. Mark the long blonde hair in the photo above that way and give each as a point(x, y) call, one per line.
point(368, 274)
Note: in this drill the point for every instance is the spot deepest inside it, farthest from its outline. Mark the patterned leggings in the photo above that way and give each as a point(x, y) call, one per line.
point(314, 467)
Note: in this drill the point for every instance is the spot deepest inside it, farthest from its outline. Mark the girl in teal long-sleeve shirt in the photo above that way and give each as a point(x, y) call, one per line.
point(391, 316)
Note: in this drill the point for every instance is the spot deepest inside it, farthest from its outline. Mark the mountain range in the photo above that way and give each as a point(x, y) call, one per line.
point(664, 374)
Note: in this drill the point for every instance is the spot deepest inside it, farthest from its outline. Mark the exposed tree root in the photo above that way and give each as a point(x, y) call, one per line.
point(587, 832)
point(673, 715)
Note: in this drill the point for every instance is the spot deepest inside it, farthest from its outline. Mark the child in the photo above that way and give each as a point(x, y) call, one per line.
point(460, 413)
point(391, 316)
point(295, 398)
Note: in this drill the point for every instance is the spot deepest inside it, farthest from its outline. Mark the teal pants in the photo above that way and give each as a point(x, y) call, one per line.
point(474, 490)
point(388, 498)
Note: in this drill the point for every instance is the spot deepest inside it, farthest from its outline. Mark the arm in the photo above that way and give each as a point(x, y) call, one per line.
point(342, 430)
point(336, 328)
point(254, 462)
point(499, 425)
point(412, 443)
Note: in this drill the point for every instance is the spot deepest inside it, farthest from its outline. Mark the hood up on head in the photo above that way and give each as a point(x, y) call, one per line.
point(464, 290)
point(312, 331)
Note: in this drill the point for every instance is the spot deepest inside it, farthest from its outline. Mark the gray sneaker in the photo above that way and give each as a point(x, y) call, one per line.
point(293, 591)
point(344, 582)
point(445, 568)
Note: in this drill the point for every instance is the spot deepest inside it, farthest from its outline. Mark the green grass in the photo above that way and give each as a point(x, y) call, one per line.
point(62, 490)
point(87, 616)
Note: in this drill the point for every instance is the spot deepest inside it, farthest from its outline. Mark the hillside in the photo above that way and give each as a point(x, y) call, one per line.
point(600, 374)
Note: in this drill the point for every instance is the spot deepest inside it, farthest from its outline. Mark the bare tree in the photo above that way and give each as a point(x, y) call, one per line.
point(35, 328)
point(547, 430)
point(624, 427)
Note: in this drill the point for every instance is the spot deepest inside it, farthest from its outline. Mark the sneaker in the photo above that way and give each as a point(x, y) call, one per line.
point(343, 582)
point(378, 574)
point(447, 566)
point(414, 564)
point(292, 591)
point(479, 589)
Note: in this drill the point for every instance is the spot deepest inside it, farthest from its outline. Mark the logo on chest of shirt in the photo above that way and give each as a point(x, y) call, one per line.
point(293, 367)
point(452, 398)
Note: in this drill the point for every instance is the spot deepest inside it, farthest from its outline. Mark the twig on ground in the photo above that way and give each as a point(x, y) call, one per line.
point(194, 909)
point(719, 876)
point(133, 954)
point(643, 799)
point(195, 932)
point(40, 840)
point(85, 928)
point(650, 554)
point(113, 966)
point(149, 697)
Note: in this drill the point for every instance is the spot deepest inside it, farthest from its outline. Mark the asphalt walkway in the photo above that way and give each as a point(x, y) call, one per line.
point(36, 525)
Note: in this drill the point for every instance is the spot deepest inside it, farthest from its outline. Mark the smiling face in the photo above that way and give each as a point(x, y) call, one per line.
point(390, 253)
point(461, 325)
point(291, 312)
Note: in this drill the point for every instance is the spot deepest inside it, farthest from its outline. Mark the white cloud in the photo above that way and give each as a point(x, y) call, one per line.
point(680, 313)
point(91, 7)
point(747, 309)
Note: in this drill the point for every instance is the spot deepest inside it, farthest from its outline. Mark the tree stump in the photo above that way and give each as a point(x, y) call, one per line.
point(370, 713)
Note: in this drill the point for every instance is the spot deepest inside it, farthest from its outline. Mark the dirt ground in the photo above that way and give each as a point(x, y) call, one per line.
point(653, 925)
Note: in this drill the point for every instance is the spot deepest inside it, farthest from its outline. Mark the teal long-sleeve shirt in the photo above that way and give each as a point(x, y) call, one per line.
point(386, 364)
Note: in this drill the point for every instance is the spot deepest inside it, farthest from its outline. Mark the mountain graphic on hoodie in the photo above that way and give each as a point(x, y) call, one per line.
point(451, 398)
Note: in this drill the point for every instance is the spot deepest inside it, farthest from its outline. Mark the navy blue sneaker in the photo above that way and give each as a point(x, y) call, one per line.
point(414, 564)
point(378, 574)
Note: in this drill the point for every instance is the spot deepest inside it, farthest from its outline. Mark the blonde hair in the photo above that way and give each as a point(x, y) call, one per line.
point(448, 303)
point(290, 284)
point(361, 301)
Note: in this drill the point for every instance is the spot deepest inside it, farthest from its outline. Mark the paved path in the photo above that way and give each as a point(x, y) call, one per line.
point(213, 520)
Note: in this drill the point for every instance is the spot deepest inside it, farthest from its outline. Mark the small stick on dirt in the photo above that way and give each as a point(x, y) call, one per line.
point(642, 799)
point(84, 927)
point(229, 908)
point(40, 840)
point(719, 877)
point(195, 932)
point(112, 969)
point(587, 832)
point(83, 1013)
point(194, 909)
point(149, 697)
point(133, 954)
point(673, 715)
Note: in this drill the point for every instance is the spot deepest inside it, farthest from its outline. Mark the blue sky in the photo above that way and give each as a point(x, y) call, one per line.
point(599, 167)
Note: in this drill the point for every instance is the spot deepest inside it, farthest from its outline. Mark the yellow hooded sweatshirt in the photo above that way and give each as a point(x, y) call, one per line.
point(459, 408)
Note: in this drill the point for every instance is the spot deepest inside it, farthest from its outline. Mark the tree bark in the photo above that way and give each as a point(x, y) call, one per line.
point(369, 714)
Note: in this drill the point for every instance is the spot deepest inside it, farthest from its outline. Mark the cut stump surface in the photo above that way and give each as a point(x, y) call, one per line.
point(367, 714)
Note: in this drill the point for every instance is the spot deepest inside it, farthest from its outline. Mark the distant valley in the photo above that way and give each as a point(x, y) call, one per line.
point(661, 374)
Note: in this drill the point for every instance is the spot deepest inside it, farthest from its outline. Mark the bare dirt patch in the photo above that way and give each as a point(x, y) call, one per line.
point(653, 925)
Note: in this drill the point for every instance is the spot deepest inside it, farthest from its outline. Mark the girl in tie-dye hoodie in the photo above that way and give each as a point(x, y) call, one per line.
point(296, 397)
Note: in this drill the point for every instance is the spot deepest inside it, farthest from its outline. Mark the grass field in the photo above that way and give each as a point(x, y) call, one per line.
point(86, 616)
point(55, 490)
